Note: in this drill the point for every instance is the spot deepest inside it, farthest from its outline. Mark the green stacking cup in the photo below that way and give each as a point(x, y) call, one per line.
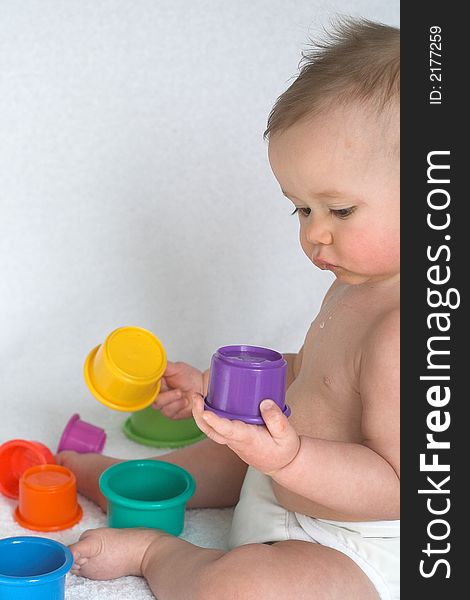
point(151, 428)
point(147, 493)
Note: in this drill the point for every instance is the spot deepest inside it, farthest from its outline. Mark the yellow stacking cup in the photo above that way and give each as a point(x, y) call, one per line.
point(124, 372)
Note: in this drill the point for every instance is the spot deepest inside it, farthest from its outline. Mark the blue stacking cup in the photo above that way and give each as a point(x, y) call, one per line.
point(33, 568)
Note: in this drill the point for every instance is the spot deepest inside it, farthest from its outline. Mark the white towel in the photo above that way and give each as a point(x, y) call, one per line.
point(203, 527)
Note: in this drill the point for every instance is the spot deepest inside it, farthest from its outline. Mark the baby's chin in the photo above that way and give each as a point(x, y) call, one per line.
point(351, 278)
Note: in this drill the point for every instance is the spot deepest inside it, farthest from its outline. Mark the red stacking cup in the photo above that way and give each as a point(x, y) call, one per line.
point(15, 457)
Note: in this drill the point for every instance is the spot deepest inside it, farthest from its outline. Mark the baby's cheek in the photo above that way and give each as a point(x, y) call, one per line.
point(376, 254)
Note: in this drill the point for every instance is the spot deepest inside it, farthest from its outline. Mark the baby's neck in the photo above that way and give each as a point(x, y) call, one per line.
point(380, 282)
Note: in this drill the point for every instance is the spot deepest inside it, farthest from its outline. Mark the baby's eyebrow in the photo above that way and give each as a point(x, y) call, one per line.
point(327, 194)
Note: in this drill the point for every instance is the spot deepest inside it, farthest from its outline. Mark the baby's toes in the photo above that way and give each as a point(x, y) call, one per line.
point(88, 546)
point(78, 563)
point(95, 554)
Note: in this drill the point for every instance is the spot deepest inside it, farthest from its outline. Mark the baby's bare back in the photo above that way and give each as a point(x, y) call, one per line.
point(325, 394)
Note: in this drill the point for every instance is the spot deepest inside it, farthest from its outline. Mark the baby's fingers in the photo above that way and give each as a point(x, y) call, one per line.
point(232, 431)
point(200, 417)
point(167, 397)
point(180, 409)
point(229, 431)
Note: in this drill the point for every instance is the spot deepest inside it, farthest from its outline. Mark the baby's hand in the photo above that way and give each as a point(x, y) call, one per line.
point(178, 384)
point(266, 448)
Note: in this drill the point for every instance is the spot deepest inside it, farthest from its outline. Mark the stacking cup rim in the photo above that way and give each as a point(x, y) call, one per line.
point(278, 358)
point(121, 373)
point(120, 500)
point(49, 467)
point(123, 407)
point(18, 580)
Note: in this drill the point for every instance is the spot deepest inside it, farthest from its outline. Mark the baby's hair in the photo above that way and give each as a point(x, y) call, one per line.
point(359, 61)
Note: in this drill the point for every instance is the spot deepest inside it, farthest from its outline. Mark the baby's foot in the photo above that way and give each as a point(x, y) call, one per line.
point(111, 553)
point(87, 469)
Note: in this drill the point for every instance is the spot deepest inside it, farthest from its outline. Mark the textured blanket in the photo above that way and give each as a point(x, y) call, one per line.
point(206, 527)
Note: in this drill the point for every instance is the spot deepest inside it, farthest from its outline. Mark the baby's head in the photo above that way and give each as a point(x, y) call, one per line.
point(334, 148)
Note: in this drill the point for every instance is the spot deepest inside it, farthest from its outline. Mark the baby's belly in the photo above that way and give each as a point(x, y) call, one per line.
point(329, 415)
point(337, 419)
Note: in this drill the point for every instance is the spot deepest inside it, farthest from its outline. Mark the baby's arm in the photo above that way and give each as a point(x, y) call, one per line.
point(218, 473)
point(359, 481)
point(356, 481)
point(181, 380)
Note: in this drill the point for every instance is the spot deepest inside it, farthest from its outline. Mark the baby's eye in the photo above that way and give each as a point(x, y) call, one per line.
point(343, 213)
point(304, 212)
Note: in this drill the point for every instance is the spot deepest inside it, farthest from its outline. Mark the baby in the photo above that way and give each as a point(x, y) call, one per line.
point(316, 495)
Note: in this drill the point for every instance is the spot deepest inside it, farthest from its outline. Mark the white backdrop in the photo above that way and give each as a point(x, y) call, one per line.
point(135, 187)
point(135, 190)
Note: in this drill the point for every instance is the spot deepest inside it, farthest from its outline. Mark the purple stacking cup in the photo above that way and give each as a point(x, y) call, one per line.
point(82, 437)
point(241, 377)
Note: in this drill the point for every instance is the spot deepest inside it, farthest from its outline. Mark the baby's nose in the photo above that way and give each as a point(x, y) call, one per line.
point(319, 233)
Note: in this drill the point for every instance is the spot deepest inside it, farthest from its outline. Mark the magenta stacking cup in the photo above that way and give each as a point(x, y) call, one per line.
point(241, 377)
point(82, 437)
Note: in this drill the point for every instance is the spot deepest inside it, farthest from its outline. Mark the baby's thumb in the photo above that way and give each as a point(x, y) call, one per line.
point(170, 368)
point(274, 419)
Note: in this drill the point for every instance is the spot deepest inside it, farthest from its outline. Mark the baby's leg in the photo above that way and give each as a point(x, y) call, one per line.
point(218, 472)
point(178, 570)
point(87, 469)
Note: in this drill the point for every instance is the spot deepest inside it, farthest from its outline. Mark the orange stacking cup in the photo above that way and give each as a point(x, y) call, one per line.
point(48, 499)
point(124, 372)
point(15, 457)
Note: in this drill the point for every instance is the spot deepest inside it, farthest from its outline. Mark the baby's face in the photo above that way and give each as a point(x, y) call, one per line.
point(341, 173)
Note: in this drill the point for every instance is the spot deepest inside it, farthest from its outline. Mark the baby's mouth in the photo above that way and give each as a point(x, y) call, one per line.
point(322, 264)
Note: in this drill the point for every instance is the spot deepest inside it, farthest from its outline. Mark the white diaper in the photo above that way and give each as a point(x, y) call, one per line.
point(374, 545)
